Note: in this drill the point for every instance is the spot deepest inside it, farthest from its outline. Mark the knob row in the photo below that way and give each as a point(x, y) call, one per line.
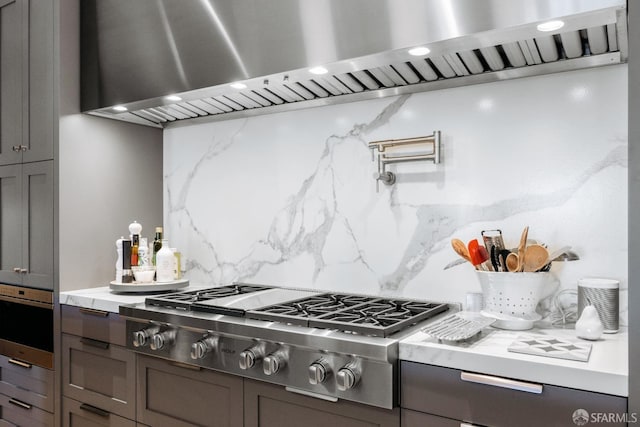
point(346, 377)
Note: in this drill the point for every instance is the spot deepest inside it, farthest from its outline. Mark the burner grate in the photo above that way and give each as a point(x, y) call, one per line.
point(351, 313)
point(184, 300)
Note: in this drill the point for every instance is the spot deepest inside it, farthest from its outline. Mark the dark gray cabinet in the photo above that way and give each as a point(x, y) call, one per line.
point(183, 395)
point(26, 394)
point(433, 395)
point(268, 405)
point(26, 81)
point(98, 372)
point(26, 224)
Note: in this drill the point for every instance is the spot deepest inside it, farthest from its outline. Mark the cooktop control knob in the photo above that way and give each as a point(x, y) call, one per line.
point(274, 362)
point(141, 337)
point(347, 377)
point(318, 371)
point(162, 339)
point(206, 345)
point(250, 356)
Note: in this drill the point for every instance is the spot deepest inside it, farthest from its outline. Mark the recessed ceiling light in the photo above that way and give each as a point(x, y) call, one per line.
point(318, 70)
point(550, 26)
point(419, 51)
point(173, 98)
point(238, 85)
point(119, 108)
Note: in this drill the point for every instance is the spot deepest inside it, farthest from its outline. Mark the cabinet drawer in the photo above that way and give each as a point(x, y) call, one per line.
point(15, 412)
point(443, 392)
point(96, 324)
point(170, 395)
point(99, 374)
point(28, 383)
point(75, 413)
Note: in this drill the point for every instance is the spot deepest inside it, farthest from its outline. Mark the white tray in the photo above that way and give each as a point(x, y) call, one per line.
point(148, 287)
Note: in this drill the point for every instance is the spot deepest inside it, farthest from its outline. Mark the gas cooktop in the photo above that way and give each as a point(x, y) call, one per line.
point(355, 314)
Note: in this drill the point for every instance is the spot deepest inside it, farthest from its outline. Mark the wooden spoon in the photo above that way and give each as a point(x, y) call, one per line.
point(521, 248)
point(536, 257)
point(512, 262)
point(460, 248)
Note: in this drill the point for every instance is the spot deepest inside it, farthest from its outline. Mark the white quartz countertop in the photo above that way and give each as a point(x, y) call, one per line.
point(606, 370)
point(103, 298)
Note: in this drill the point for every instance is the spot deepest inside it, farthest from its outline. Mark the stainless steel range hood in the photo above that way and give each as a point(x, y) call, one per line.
point(136, 53)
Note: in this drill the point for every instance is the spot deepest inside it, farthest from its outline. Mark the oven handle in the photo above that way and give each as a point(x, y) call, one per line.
point(26, 302)
point(17, 402)
point(20, 363)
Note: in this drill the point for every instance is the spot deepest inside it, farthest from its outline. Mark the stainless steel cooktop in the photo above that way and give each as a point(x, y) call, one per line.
point(331, 345)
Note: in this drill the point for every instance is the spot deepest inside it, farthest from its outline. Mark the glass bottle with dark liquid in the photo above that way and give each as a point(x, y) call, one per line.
point(157, 244)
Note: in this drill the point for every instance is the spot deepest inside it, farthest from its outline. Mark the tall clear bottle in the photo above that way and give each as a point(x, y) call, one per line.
point(165, 263)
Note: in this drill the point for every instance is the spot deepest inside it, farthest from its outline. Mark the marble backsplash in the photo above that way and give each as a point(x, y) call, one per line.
point(289, 198)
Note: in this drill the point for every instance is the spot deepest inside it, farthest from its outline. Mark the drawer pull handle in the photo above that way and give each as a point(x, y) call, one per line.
point(94, 343)
point(20, 363)
point(94, 410)
point(501, 382)
point(186, 366)
point(19, 403)
point(93, 312)
point(311, 394)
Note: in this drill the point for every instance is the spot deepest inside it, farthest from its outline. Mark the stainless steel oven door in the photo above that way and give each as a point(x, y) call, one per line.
point(26, 325)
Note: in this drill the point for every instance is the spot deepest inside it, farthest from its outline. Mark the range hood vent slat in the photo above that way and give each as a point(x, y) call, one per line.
point(365, 80)
point(406, 72)
point(300, 90)
point(612, 37)
point(547, 48)
point(471, 61)
point(273, 98)
point(349, 81)
point(597, 40)
point(443, 67)
point(572, 44)
point(315, 88)
point(514, 54)
point(425, 70)
point(284, 93)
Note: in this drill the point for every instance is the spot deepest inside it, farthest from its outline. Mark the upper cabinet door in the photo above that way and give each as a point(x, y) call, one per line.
point(26, 81)
point(11, 81)
point(38, 125)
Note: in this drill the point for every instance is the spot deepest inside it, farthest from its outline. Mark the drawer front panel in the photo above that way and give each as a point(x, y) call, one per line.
point(95, 324)
point(18, 413)
point(99, 374)
point(441, 391)
point(78, 414)
point(27, 383)
point(175, 396)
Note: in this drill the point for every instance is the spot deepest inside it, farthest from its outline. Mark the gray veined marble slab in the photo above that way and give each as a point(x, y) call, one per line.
point(289, 198)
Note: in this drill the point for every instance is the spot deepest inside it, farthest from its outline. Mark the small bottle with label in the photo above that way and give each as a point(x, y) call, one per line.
point(165, 263)
point(135, 229)
point(143, 252)
point(157, 244)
